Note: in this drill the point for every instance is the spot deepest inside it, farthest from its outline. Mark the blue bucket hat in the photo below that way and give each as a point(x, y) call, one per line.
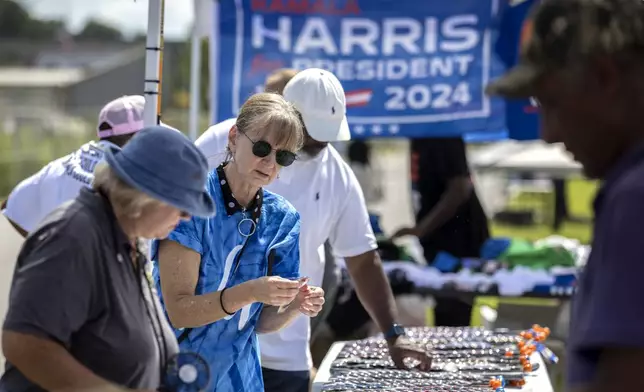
point(167, 166)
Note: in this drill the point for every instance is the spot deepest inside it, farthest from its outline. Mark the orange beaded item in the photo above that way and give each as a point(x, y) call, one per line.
point(528, 350)
point(516, 383)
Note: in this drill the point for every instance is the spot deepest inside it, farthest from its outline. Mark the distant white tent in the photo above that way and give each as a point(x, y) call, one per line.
point(533, 156)
point(492, 166)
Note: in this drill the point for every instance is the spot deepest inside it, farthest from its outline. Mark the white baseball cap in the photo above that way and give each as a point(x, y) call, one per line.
point(319, 97)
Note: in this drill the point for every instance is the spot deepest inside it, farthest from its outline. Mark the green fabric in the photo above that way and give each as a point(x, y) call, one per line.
point(525, 253)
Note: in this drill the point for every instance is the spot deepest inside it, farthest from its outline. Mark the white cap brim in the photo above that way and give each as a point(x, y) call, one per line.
point(324, 130)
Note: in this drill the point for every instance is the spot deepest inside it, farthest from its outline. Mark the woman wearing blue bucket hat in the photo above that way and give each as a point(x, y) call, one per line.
point(83, 315)
point(226, 278)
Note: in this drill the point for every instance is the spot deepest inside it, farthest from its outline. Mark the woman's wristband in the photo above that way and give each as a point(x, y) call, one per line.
point(221, 302)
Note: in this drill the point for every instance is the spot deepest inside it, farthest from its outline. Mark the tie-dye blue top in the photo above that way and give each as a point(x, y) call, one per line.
point(230, 345)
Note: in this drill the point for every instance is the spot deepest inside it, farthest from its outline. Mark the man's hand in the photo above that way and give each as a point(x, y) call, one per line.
point(399, 350)
point(405, 231)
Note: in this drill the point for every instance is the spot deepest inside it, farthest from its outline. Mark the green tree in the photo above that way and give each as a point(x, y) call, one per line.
point(44, 30)
point(13, 19)
point(99, 31)
point(16, 23)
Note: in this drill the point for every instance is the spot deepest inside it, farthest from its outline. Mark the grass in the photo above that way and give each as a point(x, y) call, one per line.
point(580, 197)
point(26, 151)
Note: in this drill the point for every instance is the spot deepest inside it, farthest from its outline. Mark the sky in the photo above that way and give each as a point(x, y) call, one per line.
point(128, 15)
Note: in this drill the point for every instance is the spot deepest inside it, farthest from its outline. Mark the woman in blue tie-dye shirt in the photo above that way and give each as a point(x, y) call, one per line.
point(226, 278)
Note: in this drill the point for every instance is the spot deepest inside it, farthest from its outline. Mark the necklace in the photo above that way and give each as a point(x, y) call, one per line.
point(246, 225)
point(463, 360)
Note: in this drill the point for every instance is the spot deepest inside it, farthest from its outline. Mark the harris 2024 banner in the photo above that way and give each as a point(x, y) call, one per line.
point(409, 68)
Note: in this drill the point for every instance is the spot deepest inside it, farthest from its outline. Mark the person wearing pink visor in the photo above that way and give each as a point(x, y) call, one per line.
point(61, 180)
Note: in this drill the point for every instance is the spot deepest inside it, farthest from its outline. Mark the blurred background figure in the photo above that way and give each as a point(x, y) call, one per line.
point(587, 83)
point(449, 216)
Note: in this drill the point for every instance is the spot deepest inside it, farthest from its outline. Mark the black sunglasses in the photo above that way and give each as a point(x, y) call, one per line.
point(262, 149)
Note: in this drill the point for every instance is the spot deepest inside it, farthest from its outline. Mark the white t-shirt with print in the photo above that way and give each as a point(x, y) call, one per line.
point(328, 197)
point(59, 181)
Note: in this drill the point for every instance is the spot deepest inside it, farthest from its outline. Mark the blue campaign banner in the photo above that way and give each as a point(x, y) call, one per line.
point(409, 68)
point(521, 116)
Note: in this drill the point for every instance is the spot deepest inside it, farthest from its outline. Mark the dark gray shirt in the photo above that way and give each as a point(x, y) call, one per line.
point(607, 309)
point(75, 283)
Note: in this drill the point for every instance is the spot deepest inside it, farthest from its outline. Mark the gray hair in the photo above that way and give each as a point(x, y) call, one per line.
point(125, 198)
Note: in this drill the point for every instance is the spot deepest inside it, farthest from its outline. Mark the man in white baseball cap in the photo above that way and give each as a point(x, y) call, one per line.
point(61, 180)
point(319, 97)
point(328, 197)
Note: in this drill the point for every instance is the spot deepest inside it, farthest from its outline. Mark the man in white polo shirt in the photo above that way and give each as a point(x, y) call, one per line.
point(328, 197)
point(61, 180)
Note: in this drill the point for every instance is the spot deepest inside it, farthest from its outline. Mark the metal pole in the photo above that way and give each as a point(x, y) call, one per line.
point(153, 63)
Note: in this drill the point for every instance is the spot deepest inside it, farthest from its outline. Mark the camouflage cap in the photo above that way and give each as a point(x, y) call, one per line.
point(558, 32)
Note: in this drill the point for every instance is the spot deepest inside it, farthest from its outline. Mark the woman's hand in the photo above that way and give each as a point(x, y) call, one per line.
point(311, 300)
point(274, 290)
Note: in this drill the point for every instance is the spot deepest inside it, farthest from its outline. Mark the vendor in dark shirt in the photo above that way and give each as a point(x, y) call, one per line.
point(83, 315)
point(449, 215)
point(582, 64)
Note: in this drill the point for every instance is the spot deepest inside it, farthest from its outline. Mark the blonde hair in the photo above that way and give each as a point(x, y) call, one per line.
point(278, 79)
point(125, 198)
point(271, 113)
